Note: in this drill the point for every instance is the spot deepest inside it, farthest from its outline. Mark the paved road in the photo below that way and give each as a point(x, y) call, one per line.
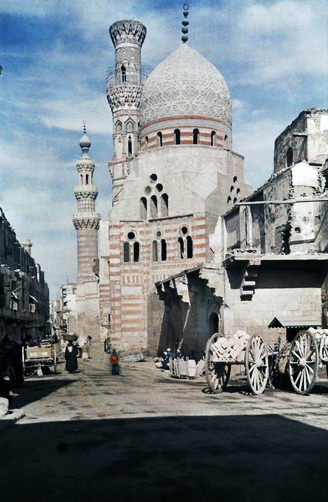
point(144, 436)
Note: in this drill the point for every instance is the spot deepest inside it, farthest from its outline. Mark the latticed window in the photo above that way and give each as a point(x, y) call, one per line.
point(126, 251)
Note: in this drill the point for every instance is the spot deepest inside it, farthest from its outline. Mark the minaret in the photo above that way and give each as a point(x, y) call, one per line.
point(86, 220)
point(124, 86)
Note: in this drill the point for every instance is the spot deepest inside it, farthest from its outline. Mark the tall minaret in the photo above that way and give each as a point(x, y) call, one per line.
point(124, 86)
point(86, 220)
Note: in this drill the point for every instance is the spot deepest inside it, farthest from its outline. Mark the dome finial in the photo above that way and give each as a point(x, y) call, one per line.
point(185, 23)
point(85, 142)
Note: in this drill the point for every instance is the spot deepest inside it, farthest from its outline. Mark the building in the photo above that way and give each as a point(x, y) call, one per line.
point(172, 171)
point(83, 318)
point(269, 275)
point(24, 294)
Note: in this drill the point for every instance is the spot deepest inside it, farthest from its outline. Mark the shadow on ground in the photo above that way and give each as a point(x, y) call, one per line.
point(232, 458)
point(34, 390)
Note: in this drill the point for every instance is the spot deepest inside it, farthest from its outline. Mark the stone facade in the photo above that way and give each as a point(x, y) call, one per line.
point(24, 296)
point(84, 320)
point(168, 191)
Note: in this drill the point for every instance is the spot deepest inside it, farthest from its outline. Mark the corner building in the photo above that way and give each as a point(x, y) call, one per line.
point(174, 171)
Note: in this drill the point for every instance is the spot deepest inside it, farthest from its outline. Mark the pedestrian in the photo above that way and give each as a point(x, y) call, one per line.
point(114, 363)
point(71, 357)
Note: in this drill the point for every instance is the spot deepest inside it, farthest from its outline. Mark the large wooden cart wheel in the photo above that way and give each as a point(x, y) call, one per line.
point(303, 362)
point(257, 364)
point(217, 373)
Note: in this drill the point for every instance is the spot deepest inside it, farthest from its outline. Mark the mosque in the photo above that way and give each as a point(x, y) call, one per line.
point(189, 249)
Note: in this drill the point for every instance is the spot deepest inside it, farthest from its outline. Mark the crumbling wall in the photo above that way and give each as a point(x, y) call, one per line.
point(287, 139)
point(276, 216)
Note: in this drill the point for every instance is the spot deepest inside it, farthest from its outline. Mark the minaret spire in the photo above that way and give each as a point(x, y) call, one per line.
point(86, 220)
point(185, 23)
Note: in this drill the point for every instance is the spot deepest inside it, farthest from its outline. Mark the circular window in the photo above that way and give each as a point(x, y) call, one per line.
point(147, 190)
point(231, 189)
point(228, 199)
point(234, 179)
point(153, 178)
point(131, 235)
point(234, 200)
point(158, 233)
point(184, 230)
point(238, 190)
point(159, 187)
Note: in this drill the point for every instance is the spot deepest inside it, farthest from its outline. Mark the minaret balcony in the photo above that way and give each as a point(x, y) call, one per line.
point(137, 77)
point(84, 190)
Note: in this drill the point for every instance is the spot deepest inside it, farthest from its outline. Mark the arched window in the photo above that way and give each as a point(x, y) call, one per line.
point(136, 251)
point(146, 141)
point(143, 208)
point(81, 179)
point(155, 251)
point(195, 136)
point(153, 206)
point(289, 157)
point(177, 136)
point(130, 146)
point(213, 137)
point(163, 250)
point(189, 247)
point(87, 179)
point(159, 139)
point(126, 251)
point(181, 247)
point(164, 205)
point(123, 70)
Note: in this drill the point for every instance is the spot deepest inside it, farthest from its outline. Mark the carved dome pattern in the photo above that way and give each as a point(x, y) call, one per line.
point(185, 83)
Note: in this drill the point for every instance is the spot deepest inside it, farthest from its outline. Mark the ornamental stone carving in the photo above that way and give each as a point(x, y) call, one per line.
point(127, 31)
point(88, 221)
point(124, 95)
point(128, 55)
point(185, 83)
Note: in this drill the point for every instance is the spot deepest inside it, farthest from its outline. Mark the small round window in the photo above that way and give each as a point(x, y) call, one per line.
point(184, 230)
point(148, 189)
point(131, 235)
point(234, 179)
point(159, 187)
point(158, 233)
point(153, 178)
point(231, 189)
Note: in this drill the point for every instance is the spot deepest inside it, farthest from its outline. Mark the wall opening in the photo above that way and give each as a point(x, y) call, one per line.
point(159, 139)
point(164, 205)
point(195, 136)
point(143, 208)
point(87, 179)
point(123, 71)
point(177, 136)
point(130, 146)
point(213, 138)
point(181, 247)
point(289, 157)
point(153, 206)
point(189, 247)
point(136, 251)
point(163, 249)
point(213, 324)
point(126, 251)
point(155, 251)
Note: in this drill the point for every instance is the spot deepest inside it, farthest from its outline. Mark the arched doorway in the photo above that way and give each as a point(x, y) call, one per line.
point(213, 324)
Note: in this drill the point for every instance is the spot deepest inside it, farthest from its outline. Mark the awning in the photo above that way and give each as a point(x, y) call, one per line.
point(33, 299)
point(296, 322)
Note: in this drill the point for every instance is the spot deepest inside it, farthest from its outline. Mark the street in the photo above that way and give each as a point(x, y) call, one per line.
point(144, 436)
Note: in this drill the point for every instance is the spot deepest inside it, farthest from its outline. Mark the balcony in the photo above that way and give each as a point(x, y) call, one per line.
point(114, 78)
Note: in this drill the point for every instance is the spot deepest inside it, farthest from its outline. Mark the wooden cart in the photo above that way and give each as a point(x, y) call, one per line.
point(38, 357)
point(308, 350)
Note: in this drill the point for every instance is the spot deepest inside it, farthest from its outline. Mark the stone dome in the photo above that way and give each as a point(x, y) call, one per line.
point(185, 83)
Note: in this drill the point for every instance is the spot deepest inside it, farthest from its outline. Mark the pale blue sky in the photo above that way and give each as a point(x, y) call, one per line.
point(55, 55)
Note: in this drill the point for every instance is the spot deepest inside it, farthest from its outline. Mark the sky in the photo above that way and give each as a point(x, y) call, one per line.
point(55, 56)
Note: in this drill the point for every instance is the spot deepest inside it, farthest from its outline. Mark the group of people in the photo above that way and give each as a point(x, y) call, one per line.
point(164, 363)
point(72, 352)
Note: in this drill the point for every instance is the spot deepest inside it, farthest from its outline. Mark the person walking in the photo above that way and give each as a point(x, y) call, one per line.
point(114, 363)
point(71, 357)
